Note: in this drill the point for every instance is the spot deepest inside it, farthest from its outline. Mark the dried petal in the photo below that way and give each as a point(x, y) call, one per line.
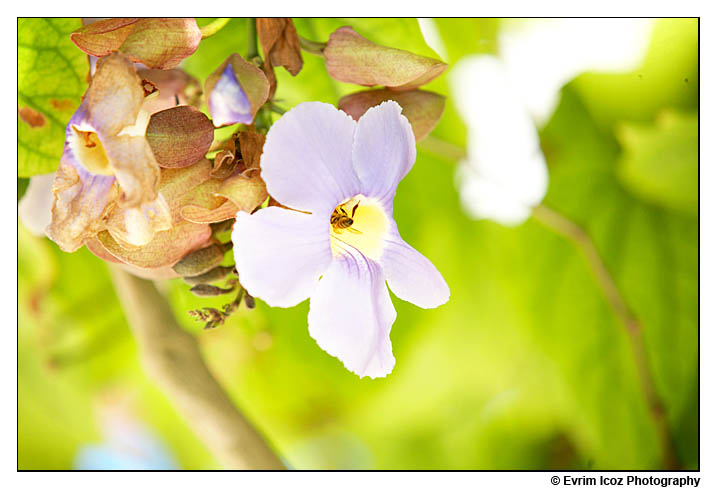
point(245, 190)
point(157, 274)
point(198, 214)
point(135, 169)
point(156, 43)
point(180, 136)
point(175, 86)
point(423, 109)
point(168, 247)
point(280, 43)
point(165, 249)
point(115, 96)
point(224, 164)
point(136, 226)
point(235, 91)
point(353, 58)
point(80, 206)
point(251, 145)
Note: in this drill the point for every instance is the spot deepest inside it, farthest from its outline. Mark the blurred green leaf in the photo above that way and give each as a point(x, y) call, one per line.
point(651, 251)
point(463, 37)
point(22, 184)
point(212, 52)
point(51, 80)
point(660, 162)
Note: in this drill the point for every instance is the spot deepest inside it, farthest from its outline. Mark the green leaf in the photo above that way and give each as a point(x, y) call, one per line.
point(52, 76)
point(660, 161)
point(652, 254)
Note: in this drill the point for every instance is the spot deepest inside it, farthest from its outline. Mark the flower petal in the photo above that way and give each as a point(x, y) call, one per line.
point(165, 249)
point(227, 102)
point(307, 161)
point(137, 225)
point(235, 91)
point(135, 168)
point(350, 315)
point(82, 202)
point(115, 96)
point(174, 86)
point(411, 276)
point(246, 190)
point(280, 254)
point(384, 150)
point(158, 274)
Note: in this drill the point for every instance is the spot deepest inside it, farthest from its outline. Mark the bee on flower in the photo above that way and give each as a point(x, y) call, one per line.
point(335, 241)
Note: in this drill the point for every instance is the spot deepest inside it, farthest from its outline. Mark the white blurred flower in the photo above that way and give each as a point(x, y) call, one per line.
point(35, 207)
point(503, 98)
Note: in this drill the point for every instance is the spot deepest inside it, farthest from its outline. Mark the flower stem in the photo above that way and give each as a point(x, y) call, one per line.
point(313, 47)
point(252, 49)
point(172, 357)
point(214, 27)
point(563, 226)
point(275, 108)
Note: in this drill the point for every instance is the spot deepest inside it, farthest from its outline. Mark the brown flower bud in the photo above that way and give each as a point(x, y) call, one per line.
point(211, 275)
point(180, 136)
point(354, 59)
point(201, 261)
point(423, 109)
point(209, 290)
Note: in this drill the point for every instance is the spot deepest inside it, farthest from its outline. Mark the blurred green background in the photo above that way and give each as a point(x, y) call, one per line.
point(526, 367)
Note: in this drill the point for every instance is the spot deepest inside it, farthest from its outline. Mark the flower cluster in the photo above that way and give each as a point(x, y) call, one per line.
point(311, 196)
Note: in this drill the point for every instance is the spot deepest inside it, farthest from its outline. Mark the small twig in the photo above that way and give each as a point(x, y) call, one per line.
point(442, 149)
point(275, 108)
point(312, 46)
point(252, 49)
point(173, 359)
point(562, 225)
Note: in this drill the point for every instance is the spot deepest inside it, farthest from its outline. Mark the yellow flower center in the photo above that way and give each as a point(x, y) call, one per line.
point(359, 223)
point(90, 152)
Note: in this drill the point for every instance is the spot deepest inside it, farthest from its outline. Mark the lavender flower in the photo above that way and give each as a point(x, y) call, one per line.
point(338, 243)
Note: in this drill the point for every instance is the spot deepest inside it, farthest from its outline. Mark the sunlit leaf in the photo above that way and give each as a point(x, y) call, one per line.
point(52, 76)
